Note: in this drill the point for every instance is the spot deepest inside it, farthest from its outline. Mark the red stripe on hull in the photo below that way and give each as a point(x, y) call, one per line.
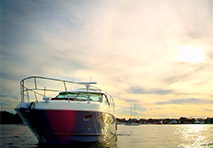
point(67, 126)
point(61, 121)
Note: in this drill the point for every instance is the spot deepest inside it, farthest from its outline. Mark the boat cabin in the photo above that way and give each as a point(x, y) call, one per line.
point(83, 96)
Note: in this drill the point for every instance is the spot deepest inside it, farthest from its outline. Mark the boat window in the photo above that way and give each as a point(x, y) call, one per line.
point(66, 95)
point(96, 97)
point(81, 96)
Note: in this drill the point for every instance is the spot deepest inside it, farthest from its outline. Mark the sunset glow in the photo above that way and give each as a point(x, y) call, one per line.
point(155, 54)
point(190, 54)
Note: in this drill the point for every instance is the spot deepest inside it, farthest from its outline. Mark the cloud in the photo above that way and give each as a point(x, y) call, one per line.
point(9, 76)
point(3, 104)
point(8, 96)
point(175, 78)
point(208, 110)
point(139, 90)
point(184, 72)
point(138, 111)
point(127, 47)
point(131, 100)
point(186, 101)
point(141, 108)
point(8, 102)
point(210, 55)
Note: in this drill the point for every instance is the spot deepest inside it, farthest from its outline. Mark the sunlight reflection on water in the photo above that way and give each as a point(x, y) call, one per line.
point(195, 136)
point(143, 136)
point(166, 136)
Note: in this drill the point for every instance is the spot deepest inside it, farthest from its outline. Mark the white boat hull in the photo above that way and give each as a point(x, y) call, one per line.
point(59, 126)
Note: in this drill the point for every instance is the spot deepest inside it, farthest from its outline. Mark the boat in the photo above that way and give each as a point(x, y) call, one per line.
point(61, 116)
point(132, 122)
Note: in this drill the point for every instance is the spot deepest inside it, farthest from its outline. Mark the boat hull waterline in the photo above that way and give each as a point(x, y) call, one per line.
point(68, 126)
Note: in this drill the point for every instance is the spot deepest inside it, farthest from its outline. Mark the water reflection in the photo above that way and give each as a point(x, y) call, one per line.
point(107, 144)
point(193, 136)
point(143, 136)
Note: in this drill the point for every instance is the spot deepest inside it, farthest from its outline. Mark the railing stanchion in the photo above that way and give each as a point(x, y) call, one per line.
point(44, 91)
point(22, 90)
point(28, 97)
point(35, 83)
point(66, 90)
point(35, 96)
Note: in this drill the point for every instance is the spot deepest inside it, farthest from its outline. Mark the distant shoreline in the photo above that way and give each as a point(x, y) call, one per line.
point(10, 118)
point(181, 120)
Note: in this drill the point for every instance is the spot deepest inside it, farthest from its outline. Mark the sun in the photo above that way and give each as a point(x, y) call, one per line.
point(190, 54)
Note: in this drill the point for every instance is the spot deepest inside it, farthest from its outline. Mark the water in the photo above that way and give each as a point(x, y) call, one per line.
point(143, 136)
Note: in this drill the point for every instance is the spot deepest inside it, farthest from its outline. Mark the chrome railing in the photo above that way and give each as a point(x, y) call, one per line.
point(30, 87)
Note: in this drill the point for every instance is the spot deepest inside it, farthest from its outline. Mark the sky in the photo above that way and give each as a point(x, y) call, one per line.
point(156, 55)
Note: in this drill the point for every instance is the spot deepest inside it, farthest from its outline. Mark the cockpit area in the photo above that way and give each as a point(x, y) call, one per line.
point(82, 96)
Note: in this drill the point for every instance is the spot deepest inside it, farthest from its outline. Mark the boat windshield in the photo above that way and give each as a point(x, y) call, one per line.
point(81, 96)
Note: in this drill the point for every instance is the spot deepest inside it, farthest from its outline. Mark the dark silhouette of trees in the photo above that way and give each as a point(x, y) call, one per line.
point(9, 118)
point(181, 120)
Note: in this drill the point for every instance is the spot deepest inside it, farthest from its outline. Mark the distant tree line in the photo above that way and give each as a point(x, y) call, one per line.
point(10, 118)
point(181, 120)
